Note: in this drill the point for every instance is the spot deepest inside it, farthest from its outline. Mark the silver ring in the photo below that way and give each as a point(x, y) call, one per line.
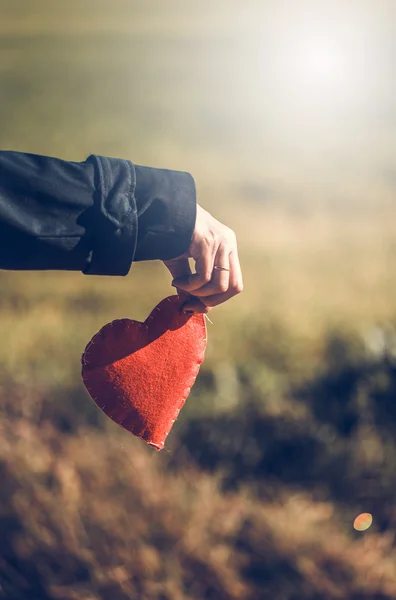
point(221, 268)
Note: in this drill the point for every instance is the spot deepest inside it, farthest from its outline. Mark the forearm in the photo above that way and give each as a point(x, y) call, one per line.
point(95, 216)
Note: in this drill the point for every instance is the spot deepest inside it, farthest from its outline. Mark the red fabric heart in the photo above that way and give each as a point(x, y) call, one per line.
point(140, 374)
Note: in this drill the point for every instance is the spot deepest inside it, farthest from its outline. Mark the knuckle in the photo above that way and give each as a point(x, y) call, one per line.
point(224, 239)
point(206, 277)
point(209, 239)
point(238, 288)
point(231, 237)
point(228, 238)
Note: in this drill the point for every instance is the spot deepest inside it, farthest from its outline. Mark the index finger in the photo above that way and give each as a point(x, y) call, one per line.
point(203, 274)
point(178, 267)
point(235, 287)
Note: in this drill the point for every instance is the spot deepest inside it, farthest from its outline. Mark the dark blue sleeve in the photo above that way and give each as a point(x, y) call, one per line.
point(95, 216)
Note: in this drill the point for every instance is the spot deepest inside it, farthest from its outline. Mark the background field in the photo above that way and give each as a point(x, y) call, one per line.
point(289, 431)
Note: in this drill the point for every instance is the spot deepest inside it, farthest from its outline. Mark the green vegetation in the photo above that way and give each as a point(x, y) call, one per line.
point(289, 431)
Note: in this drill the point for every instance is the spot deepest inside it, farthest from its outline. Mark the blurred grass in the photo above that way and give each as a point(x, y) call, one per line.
point(289, 430)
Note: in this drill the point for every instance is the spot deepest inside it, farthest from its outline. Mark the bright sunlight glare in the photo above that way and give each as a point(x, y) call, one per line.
point(317, 75)
point(322, 64)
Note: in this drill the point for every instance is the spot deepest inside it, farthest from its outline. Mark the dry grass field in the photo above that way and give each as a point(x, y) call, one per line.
point(289, 432)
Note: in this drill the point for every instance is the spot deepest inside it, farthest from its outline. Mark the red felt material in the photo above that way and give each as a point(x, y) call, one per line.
point(140, 374)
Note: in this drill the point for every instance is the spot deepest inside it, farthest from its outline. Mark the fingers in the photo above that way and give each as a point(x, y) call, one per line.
point(235, 286)
point(219, 280)
point(204, 269)
point(194, 305)
point(178, 267)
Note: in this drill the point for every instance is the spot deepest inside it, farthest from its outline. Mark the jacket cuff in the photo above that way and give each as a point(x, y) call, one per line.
point(114, 237)
point(166, 209)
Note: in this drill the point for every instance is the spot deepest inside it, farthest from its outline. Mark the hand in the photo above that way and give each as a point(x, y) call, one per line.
point(213, 245)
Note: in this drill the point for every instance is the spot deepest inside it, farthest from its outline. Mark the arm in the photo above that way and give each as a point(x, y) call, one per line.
point(95, 216)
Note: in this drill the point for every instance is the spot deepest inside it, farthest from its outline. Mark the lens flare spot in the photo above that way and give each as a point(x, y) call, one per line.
point(363, 522)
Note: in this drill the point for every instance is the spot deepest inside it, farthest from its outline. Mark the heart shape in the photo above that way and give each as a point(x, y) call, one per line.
point(140, 374)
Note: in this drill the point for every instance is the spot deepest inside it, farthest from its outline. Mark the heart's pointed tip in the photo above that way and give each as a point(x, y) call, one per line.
point(157, 447)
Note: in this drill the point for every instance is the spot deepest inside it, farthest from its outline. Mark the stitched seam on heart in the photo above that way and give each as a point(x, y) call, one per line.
point(142, 434)
point(180, 403)
point(182, 400)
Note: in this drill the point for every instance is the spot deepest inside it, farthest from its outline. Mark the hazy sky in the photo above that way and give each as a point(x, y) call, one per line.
point(293, 75)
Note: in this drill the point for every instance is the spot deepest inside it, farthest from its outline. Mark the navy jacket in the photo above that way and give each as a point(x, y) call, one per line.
point(95, 216)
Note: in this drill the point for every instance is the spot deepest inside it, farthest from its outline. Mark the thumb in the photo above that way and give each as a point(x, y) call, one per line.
point(178, 267)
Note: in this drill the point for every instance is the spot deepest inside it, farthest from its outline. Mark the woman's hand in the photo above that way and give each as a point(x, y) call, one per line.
point(218, 275)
